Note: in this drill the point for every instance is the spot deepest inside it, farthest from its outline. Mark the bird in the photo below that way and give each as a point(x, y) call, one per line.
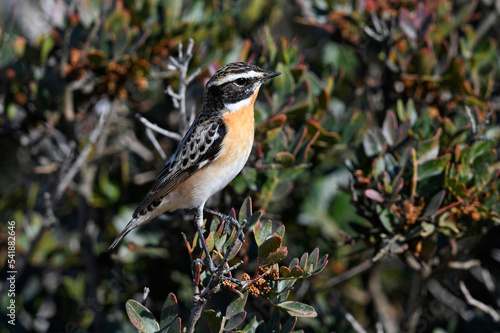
point(213, 151)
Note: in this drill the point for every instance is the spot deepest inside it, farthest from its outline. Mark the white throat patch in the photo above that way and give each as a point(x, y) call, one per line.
point(238, 105)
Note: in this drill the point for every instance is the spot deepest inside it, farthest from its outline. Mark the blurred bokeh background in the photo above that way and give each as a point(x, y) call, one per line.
point(378, 144)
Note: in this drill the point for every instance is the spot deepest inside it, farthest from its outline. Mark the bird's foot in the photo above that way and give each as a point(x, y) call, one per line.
point(231, 220)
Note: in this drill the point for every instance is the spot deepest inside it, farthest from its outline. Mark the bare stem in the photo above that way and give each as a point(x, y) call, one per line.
point(155, 143)
point(181, 64)
point(82, 158)
point(479, 305)
point(158, 129)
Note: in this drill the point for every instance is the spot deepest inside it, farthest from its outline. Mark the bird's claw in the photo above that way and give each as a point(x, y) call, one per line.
point(231, 220)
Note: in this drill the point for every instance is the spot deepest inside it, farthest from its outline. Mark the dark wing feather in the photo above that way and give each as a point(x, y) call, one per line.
point(200, 145)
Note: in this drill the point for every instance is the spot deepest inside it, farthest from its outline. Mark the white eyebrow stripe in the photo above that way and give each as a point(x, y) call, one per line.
point(232, 77)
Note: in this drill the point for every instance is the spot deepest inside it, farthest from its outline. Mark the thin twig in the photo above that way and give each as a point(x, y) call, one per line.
point(384, 309)
point(478, 304)
point(158, 129)
point(155, 143)
point(349, 273)
point(465, 265)
point(81, 159)
point(356, 326)
point(449, 299)
point(181, 64)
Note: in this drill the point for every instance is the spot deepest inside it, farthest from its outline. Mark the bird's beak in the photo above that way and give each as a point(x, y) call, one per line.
point(270, 75)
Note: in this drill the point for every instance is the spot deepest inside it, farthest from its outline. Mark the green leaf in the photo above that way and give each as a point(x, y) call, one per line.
point(429, 149)
point(297, 309)
point(252, 325)
point(433, 167)
point(458, 189)
point(448, 224)
point(262, 231)
point(210, 241)
point(280, 231)
point(237, 305)
point(313, 258)
point(284, 158)
point(427, 229)
point(273, 325)
point(236, 248)
point(274, 257)
point(245, 210)
point(11, 111)
point(387, 218)
point(169, 312)
point(285, 271)
point(284, 82)
point(271, 244)
point(372, 143)
point(253, 220)
point(434, 204)
point(214, 321)
point(303, 261)
point(141, 317)
point(408, 113)
point(45, 47)
point(374, 195)
point(176, 326)
point(297, 271)
point(293, 263)
point(321, 264)
point(235, 321)
point(390, 128)
point(304, 150)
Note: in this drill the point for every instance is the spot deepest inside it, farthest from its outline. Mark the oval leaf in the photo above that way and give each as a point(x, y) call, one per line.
point(374, 195)
point(297, 309)
point(274, 257)
point(237, 305)
point(169, 311)
point(235, 321)
point(270, 245)
point(284, 158)
point(141, 317)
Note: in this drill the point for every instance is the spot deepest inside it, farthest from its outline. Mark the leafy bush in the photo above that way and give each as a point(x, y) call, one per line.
point(378, 145)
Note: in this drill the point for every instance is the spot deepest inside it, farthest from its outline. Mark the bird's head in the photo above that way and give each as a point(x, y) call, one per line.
point(235, 85)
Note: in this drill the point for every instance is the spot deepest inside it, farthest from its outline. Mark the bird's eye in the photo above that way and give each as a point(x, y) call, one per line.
point(240, 82)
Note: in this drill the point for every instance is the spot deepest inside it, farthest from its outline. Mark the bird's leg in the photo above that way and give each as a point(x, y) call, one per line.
point(230, 219)
point(198, 220)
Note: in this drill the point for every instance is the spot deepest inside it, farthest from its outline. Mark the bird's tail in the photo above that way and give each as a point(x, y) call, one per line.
point(130, 226)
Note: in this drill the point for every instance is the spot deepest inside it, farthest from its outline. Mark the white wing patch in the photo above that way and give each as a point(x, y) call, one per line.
point(202, 164)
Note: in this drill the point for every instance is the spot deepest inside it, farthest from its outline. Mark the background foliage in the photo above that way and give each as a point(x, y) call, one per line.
point(378, 145)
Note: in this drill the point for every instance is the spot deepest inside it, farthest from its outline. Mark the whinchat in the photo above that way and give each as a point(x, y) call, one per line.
point(213, 151)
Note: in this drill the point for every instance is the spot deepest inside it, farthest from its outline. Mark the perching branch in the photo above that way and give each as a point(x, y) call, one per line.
point(215, 284)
